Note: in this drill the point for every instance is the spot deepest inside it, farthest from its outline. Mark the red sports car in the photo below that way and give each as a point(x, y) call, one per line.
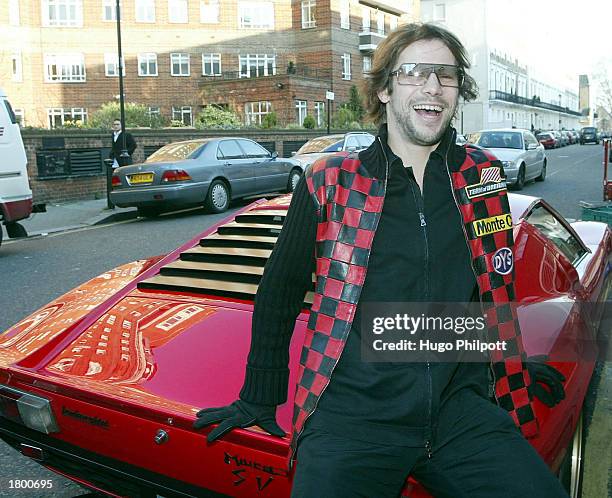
point(102, 384)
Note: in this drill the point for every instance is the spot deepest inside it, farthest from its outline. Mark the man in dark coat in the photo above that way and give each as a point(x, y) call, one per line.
point(117, 145)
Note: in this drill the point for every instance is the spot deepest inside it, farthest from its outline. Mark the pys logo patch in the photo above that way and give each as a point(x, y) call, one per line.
point(503, 261)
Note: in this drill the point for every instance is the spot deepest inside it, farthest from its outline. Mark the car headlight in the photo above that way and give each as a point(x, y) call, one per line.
point(508, 164)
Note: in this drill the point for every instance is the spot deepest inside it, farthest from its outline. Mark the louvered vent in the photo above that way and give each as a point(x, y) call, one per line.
point(227, 263)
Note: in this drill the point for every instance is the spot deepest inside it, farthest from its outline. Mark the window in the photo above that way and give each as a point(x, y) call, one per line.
point(20, 115)
point(392, 23)
point(13, 9)
point(109, 10)
point(439, 13)
point(154, 113)
point(182, 114)
point(367, 63)
point(308, 14)
point(178, 11)
point(211, 64)
point(60, 117)
point(179, 64)
point(145, 10)
point(256, 15)
point(229, 149)
point(380, 22)
point(300, 111)
point(365, 18)
point(257, 65)
point(66, 13)
point(17, 69)
point(147, 64)
point(111, 65)
point(253, 150)
point(346, 66)
point(255, 111)
point(64, 67)
point(319, 113)
point(209, 11)
point(345, 14)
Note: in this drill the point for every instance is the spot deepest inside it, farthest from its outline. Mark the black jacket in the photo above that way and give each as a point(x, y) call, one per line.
point(117, 146)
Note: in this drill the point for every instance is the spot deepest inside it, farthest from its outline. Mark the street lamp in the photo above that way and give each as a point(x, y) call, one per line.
point(559, 111)
point(124, 157)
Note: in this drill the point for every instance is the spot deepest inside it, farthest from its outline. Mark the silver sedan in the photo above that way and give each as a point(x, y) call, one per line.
point(210, 171)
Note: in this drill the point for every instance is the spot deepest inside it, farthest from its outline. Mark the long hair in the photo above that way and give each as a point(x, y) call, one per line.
point(387, 54)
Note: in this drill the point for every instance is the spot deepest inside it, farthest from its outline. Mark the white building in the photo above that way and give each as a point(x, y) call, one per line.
point(511, 93)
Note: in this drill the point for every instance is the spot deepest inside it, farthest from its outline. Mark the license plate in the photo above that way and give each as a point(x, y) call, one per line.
point(141, 178)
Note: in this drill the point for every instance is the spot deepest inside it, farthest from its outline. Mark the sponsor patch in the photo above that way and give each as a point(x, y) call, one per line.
point(503, 261)
point(491, 182)
point(491, 225)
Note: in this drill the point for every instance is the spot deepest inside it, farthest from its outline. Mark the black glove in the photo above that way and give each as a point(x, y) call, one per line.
point(239, 414)
point(542, 373)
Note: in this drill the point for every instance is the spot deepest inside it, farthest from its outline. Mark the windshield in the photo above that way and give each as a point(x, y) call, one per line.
point(588, 130)
point(322, 144)
point(499, 140)
point(544, 136)
point(175, 152)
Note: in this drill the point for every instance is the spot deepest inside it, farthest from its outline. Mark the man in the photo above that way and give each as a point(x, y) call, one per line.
point(394, 223)
point(118, 146)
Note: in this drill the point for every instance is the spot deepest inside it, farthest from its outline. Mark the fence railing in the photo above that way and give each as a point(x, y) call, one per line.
point(534, 102)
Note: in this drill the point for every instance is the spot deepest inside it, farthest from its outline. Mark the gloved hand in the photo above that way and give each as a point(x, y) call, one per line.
point(239, 414)
point(541, 373)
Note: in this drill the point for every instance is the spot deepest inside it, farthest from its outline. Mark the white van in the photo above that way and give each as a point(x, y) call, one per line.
point(15, 193)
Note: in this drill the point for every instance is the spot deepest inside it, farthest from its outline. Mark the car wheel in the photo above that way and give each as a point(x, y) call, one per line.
point(294, 178)
point(572, 467)
point(520, 178)
point(218, 197)
point(542, 176)
point(15, 230)
point(148, 212)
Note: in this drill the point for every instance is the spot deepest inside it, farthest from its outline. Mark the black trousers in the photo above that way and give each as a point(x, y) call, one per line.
point(477, 452)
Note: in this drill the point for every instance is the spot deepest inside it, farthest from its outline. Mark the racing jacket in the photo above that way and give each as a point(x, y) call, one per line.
point(348, 191)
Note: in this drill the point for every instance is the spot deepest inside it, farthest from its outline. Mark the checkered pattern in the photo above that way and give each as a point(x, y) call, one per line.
point(349, 203)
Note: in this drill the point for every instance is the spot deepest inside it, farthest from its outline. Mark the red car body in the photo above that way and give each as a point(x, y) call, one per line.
point(547, 140)
point(127, 359)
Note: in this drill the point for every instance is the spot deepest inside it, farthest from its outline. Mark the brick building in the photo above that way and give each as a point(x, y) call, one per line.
point(58, 57)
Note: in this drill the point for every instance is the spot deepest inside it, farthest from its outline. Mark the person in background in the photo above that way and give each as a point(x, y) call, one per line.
point(117, 145)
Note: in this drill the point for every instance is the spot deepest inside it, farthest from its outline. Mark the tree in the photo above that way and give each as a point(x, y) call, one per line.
point(355, 103)
point(216, 117)
point(270, 120)
point(136, 115)
point(603, 78)
point(309, 122)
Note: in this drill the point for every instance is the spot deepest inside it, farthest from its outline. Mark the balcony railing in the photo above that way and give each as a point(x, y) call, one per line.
point(299, 71)
point(534, 102)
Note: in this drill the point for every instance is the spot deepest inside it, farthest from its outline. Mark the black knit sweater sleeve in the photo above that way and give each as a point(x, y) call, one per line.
point(286, 279)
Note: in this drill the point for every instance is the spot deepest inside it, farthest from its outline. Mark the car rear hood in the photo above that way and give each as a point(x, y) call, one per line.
point(506, 154)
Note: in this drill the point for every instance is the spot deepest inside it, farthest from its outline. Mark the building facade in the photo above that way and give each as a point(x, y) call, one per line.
point(252, 56)
point(510, 93)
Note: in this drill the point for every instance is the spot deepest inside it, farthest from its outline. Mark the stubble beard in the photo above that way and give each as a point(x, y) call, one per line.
point(420, 135)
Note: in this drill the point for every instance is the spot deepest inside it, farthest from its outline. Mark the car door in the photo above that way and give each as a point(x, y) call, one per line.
point(236, 167)
point(533, 155)
point(269, 174)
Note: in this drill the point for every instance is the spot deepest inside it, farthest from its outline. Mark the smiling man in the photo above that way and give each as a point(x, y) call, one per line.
point(396, 223)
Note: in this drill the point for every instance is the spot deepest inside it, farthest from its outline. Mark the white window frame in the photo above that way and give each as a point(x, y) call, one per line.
point(366, 19)
point(256, 61)
point(254, 112)
point(111, 65)
point(255, 15)
point(72, 8)
point(319, 113)
point(211, 60)
point(345, 14)
point(380, 22)
point(367, 64)
point(346, 66)
point(13, 9)
point(439, 12)
point(109, 6)
point(147, 58)
point(209, 11)
point(20, 115)
point(16, 67)
point(178, 11)
point(309, 14)
point(66, 114)
point(178, 58)
point(301, 111)
point(181, 112)
point(393, 21)
point(70, 68)
point(145, 10)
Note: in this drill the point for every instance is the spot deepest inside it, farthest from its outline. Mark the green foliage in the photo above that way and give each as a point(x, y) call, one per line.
point(355, 103)
point(136, 115)
point(215, 117)
point(309, 122)
point(343, 118)
point(270, 120)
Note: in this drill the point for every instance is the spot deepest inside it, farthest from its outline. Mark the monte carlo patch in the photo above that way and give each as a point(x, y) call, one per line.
point(491, 225)
point(490, 182)
point(503, 261)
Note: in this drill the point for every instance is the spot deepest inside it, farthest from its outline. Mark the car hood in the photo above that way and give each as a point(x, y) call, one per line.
point(506, 154)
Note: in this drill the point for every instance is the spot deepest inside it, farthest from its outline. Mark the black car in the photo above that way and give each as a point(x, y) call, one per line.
point(588, 134)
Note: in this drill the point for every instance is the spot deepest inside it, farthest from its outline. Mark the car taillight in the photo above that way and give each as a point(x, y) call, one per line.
point(116, 181)
point(27, 409)
point(175, 175)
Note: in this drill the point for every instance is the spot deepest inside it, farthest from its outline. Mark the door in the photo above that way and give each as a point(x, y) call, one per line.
point(270, 175)
point(236, 167)
point(533, 156)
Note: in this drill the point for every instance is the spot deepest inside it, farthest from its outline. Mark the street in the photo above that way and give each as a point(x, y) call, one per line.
point(37, 270)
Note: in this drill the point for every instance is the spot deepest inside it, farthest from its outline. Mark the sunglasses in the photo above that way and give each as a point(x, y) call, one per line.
point(417, 74)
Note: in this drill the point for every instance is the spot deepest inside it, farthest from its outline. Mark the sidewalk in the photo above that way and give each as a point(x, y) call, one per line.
point(67, 216)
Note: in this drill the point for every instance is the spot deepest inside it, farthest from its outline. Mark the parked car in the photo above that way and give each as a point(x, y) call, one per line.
point(558, 137)
point(569, 137)
point(210, 171)
point(547, 139)
point(519, 151)
point(588, 134)
point(328, 144)
point(102, 384)
point(461, 139)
